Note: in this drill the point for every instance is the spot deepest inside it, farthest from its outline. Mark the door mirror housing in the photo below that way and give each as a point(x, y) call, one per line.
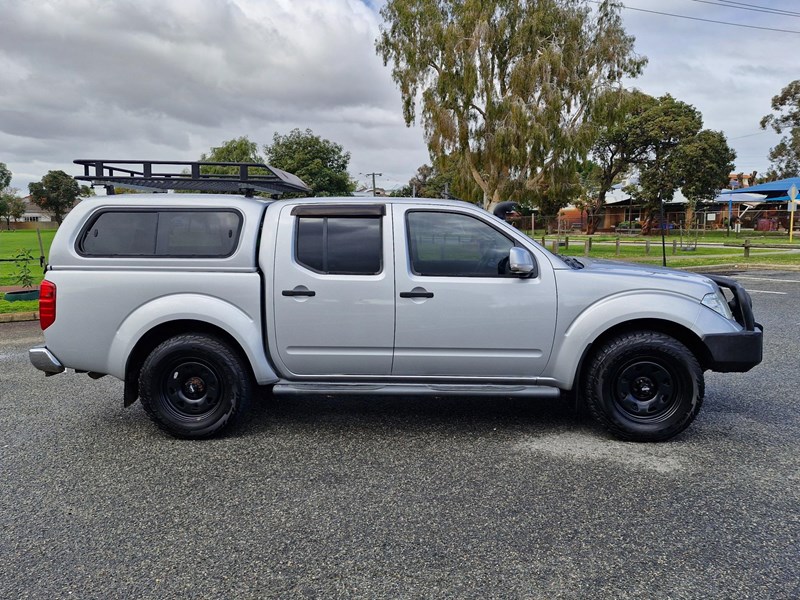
point(520, 262)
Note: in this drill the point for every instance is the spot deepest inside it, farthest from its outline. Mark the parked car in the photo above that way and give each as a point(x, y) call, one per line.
point(196, 301)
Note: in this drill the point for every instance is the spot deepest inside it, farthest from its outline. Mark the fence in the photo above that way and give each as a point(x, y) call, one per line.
point(557, 245)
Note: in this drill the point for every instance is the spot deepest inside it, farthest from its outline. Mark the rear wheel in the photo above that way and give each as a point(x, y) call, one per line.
point(194, 386)
point(644, 386)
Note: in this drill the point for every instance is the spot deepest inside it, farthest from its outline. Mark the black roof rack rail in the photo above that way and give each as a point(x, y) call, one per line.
point(188, 176)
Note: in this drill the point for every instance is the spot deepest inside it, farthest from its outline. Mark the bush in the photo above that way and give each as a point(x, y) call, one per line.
point(629, 225)
point(22, 275)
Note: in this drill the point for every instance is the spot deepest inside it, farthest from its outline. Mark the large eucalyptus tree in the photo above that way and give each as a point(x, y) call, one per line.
point(507, 86)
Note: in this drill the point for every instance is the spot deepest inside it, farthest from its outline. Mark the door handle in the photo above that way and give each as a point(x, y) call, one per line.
point(308, 293)
point(415, 294)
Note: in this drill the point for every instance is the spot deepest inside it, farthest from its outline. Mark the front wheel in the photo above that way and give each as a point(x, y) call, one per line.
point(644, 386)
point(194, 386)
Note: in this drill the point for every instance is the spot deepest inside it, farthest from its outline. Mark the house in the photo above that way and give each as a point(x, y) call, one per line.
point(34, 213)
point(34, 217)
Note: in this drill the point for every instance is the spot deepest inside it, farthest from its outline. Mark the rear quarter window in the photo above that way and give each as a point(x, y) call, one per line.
point(162, 234)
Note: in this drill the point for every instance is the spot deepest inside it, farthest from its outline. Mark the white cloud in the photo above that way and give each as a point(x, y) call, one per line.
point(729, 73)
point(168, 79)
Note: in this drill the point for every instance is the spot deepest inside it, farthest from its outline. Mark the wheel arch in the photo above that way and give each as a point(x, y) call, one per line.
point(683, 334)
point(164, 331)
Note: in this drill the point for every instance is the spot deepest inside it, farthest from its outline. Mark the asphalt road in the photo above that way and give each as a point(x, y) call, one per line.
point(403, 498)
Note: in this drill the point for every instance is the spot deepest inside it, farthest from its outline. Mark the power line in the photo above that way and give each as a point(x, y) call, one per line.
point(753, 8)
point(655, 12)
point(767, 8)
point(738, 137)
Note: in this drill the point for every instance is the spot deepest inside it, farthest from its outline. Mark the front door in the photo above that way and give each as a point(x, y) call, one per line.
point(334, 299)
point(460, 313)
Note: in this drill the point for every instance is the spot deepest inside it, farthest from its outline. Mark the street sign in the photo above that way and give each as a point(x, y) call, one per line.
point(793, 193)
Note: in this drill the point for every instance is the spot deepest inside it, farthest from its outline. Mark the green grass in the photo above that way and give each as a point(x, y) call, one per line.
point(17, 307)
point(11, 242)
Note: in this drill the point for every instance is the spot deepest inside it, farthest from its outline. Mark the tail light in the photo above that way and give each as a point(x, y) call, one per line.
point(47, 304)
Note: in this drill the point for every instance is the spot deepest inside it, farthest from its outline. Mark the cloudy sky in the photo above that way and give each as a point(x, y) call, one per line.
point(168, 79)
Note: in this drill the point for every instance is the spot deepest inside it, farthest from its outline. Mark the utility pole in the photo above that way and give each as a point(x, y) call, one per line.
point(373, 175)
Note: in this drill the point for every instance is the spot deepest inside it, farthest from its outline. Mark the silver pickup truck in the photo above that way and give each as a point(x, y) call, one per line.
point(198, 301)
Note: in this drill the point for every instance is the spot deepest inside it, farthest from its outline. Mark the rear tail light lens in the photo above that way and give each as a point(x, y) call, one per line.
point(47, 304)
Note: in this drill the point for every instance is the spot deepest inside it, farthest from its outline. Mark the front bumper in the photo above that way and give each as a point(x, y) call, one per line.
point(44, 360)
point(739, 351)
point(735, 352)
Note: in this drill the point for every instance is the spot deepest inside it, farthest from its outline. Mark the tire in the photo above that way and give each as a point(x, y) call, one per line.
point(194, 386)
point(644, 386)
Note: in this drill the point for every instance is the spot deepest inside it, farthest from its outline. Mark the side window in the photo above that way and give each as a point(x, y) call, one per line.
point(194, 233)
point(455, 245)
point(120, 233)
point(340, 245)
point(162, 234)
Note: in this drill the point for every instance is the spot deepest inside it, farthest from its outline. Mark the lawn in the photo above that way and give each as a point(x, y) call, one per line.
point(16, 307)
point(11, 242)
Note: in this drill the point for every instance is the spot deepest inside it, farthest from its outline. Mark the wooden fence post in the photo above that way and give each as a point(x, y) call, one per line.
point(617, 245)
point(747, 248)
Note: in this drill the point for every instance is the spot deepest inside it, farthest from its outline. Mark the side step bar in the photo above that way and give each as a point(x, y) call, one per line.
point(415, 389)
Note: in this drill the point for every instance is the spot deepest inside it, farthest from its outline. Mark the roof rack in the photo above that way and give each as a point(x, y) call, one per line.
point(188, 176)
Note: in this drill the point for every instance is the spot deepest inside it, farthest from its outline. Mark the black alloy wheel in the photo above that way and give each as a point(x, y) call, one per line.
point(195, 385)
point(644, 386)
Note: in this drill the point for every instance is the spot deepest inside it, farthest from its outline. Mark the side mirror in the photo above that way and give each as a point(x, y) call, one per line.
point(520, 261)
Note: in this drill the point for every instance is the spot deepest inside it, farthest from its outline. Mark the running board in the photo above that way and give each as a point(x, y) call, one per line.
point(415, 389)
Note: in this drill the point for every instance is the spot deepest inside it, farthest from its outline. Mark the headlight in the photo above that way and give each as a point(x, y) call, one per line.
point(718, 304)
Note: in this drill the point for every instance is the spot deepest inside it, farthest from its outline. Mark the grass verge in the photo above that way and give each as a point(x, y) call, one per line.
point(7, 307)
point(13, 241)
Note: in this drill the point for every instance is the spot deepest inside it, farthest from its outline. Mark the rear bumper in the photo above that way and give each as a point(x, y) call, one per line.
point(44, 360)
point(735, 352)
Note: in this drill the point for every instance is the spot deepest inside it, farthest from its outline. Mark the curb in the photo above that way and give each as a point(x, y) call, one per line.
point(18, 317)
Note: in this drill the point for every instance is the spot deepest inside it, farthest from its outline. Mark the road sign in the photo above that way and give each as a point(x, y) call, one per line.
point(793, 193)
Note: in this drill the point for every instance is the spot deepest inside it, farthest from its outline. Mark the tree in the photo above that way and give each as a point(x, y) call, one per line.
point(427, 183)
point(5, 176)
point(619, 147)
point(679, 155)
point(239, 149)
point(661, 129)
point(11, 206)
point(507, 87)
point(320, 163)
point(785, 157)
point(703, 164)
point(57, 192)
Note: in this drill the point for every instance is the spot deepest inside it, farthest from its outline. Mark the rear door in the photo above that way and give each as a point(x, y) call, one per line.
point(333, 290)
point(460, 313)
